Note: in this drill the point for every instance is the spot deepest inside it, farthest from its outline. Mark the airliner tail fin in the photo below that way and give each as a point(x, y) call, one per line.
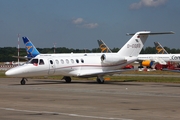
point(30, 48)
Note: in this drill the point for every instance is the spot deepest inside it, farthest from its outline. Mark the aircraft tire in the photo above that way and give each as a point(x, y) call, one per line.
point(99, 81)
point(68, 79)
point(23, 82)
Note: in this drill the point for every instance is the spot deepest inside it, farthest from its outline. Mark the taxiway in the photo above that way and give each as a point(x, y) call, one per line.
point(45, 99)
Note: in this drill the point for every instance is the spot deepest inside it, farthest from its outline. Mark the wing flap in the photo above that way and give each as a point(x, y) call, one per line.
point(95, 73)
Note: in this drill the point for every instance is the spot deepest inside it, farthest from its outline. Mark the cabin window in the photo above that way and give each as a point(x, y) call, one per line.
point(41, 62)
point(57, 61)
point(67, 61)
point(72, 61)
point(62, 61)
point(77, 61)
point(82, 60)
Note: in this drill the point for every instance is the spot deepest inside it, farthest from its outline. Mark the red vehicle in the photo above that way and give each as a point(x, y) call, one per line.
point(169, 65)
point(128, 67)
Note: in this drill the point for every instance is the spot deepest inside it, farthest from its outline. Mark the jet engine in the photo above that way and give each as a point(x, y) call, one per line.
point(112, 59)
point(147, 63)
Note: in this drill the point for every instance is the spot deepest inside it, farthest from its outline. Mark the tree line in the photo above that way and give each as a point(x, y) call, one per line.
point(6, 53)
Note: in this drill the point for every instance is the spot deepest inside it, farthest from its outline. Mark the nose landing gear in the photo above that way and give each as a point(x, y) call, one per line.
point(23, 81)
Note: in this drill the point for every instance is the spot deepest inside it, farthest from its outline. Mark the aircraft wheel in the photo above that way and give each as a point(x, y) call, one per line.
point(100, 81)
point(68, 79)
point(23, 81)
point(140, 67)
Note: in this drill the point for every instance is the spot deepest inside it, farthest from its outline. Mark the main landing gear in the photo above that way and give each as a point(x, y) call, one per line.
point(100, 80)
point(67, 79)
point(23, 81)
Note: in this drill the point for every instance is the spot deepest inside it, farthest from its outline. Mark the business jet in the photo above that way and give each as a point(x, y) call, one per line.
point(94, 65)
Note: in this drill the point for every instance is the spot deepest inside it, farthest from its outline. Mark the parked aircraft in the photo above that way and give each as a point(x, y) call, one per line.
point(88, 65)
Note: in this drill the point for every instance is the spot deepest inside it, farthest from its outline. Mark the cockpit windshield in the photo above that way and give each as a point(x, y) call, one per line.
point(36, 61)
point(33, 61)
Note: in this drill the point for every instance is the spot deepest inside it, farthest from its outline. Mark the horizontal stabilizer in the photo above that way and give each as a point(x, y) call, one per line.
point(158, 33)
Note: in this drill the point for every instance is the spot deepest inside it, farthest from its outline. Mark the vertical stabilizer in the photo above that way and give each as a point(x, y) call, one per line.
point(103, 47)
point(30, 48)
point(159, 48)
point(135, 44)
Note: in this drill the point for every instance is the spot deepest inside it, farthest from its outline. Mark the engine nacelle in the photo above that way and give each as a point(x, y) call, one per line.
point(112, 59)
point(147, 63)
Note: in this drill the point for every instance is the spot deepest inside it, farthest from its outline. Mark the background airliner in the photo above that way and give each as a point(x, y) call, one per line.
point(93, 65)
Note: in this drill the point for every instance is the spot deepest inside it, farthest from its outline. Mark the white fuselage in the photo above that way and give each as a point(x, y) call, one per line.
point(165, 57)
point(78, 65)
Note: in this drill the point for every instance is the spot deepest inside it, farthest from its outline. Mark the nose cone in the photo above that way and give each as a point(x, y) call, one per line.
point(7, 73)
point(10, 72)
point(14, 72)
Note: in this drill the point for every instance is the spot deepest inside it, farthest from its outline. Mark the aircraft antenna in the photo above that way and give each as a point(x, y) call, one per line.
point(18, 49)
point(54, 47)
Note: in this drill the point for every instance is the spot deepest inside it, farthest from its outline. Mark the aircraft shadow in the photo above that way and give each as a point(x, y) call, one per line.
point(172, 85)
point(51, 82)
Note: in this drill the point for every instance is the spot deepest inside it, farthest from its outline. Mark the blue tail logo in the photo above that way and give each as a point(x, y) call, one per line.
point(30, 48)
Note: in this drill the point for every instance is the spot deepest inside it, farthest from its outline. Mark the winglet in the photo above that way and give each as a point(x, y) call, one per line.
point(30, 48)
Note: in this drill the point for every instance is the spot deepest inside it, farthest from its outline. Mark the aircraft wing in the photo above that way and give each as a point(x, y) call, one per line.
point(103, 73)
point(21, 57)
point(159, 60)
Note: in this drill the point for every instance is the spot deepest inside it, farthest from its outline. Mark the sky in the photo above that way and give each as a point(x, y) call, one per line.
point(79, 24)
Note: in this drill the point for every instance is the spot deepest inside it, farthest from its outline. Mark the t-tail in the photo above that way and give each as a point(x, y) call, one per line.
point(134, 46)
point(30, 48)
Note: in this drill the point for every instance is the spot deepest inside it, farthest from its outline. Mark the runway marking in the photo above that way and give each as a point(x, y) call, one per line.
point(65, 114)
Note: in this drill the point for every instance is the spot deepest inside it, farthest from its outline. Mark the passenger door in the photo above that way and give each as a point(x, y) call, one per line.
point(51, 66)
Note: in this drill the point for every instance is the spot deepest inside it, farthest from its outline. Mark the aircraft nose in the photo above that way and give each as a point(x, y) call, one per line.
point(8, 73)
point(11, 72)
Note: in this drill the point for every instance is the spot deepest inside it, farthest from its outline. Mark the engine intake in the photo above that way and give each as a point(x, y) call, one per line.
point(147, 63)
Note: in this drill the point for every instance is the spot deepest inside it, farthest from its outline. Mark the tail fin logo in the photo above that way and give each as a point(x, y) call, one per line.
point(159, 49)
point(103, 48)
point(29, 47)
